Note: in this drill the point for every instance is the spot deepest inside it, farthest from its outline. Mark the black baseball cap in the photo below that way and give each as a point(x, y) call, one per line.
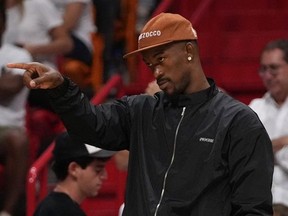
point(66, 148)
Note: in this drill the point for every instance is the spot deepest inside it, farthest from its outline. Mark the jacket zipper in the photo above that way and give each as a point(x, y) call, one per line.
point(171, 162)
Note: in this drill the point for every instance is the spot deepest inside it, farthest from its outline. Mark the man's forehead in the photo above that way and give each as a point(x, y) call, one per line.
point(272, 55)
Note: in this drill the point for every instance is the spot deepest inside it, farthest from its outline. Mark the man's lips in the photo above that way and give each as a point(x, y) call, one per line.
point(162, 82)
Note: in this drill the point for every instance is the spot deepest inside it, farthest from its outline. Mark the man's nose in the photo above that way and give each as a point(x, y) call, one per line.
point(104, 174)
point(156, 71)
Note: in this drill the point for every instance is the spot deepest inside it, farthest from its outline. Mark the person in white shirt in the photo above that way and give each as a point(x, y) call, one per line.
point(78, 21)
point(13, 137)
point(36, 25)
point(272, 110)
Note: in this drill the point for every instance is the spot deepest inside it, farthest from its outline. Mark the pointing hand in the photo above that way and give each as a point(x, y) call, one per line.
point(39, 75)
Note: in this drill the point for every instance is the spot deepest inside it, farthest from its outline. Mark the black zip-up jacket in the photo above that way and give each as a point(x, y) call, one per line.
point(203, 154)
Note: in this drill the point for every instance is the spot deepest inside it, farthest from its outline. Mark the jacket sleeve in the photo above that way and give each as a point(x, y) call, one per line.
point(106, 125)
point(251, 166)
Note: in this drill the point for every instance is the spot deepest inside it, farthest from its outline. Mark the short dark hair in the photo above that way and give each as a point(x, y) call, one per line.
point(281, 44)
point(60, 167)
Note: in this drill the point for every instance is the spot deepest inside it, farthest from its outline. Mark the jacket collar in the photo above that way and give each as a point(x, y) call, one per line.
point(181, 100)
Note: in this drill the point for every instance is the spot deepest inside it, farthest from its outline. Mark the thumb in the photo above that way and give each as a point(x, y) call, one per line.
point(47, 80)
point(33, 84)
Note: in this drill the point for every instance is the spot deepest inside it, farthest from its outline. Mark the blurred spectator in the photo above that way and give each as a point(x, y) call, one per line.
point(112, 24)
point(78, 21)
point(107, 12)
point(80, 169)
point(13, 137)
point(272, 110)
point(36, 25)
point(145, 9)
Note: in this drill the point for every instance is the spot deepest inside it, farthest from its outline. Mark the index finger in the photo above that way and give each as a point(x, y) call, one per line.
point(28, 81)
point(24, 66)
point(33, 69)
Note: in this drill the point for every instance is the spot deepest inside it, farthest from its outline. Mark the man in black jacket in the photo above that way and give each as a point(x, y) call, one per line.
point(193, 149)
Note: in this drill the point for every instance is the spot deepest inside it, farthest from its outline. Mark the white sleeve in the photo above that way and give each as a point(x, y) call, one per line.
point(281, 158)
point(16, 54)
point(50, 14)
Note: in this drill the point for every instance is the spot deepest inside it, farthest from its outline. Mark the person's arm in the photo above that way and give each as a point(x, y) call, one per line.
point(61, 43)
point(10, 85)
point(279, 143)
point(51, 22)
point(281, 155)
point(84, 121)
point(106, 126)
point(251, 166)
point(72, 15)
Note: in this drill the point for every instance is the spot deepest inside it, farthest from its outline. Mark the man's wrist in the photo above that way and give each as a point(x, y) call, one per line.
point(59, 90)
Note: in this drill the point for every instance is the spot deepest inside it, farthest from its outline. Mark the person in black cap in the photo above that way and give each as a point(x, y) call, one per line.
point(194, 150)
point(80, 170)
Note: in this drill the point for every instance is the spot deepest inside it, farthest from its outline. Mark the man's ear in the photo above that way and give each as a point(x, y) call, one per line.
point(73, 169)
point(191, 50)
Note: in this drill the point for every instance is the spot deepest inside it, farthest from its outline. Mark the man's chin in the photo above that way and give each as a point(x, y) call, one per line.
point(168, 91)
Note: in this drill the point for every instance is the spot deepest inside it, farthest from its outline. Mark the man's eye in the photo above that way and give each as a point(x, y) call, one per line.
point(99, 171)
point(161, 59)
point(274, 67)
